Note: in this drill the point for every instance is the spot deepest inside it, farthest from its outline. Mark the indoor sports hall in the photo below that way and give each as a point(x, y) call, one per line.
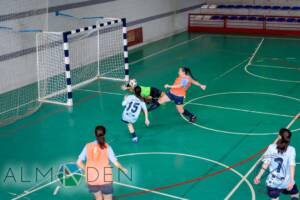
point(62, 67)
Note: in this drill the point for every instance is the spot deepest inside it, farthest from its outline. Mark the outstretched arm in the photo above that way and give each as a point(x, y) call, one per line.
point(203, 87)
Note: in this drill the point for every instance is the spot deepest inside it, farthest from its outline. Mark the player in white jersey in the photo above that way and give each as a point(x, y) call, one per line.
point(133, 106)
point(280, 160)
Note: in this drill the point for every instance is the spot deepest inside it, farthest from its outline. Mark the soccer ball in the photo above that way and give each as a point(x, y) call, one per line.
point(132, 83)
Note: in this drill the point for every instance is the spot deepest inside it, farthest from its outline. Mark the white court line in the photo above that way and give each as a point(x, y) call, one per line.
point(255, 164)
point(255, 52)
point(249, 61)
point(25, 193)
point(196, 157)
point(147, 190)
point(275, 67)
point(237, 93)
point(99, 92)
point(166, 49)
point(231, 69)
point(243, 110)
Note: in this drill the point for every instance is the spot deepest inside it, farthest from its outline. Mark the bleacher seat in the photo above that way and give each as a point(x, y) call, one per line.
point(271, 19)
point(257, 7)
point(285, 8)
point(233, 17)
point(266, 7)
point(249, 6)
point(238, 6)
point(261, 19)
point(295, 8)
point(280, 19)
point(291, 20)
point(275, 7)
point(252, 18)
point(242, 18)
point(215, 17)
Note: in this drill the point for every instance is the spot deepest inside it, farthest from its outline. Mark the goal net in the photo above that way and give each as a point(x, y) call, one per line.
point(71, 59)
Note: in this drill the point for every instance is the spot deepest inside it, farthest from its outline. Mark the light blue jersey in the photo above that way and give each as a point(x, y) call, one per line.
point(279, 168)
point(133, 107)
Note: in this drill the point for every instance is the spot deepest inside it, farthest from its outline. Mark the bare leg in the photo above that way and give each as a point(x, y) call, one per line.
point(295, 196)
point(186, 113)
point(107, 197)
point(132, 132)
point(98, 196)
point(180, 109)
point(163, 99)
point(130, 128)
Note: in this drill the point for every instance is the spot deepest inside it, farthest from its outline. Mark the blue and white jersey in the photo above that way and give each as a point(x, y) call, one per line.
point(133, 107)
point(279, 168)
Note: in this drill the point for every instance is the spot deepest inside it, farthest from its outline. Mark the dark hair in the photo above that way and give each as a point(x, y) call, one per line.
point(137, 92)
point(284, 141)
point(100, 133)
point(187, 71)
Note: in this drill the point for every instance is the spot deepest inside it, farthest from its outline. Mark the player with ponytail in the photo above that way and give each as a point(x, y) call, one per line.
point(279, 159)
point(95, 160)
point(178, 91)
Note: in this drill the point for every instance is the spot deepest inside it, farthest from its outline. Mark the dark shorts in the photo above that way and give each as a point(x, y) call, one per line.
point(126, 122)
point(177, 99)
point(104, 189)
point(275, 192)
point(155, 93)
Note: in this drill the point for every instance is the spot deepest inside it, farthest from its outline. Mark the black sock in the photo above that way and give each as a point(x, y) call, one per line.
point(187, 113)
point(294, 198)
point(133, 134)
point(153, 100)
point(154, 106)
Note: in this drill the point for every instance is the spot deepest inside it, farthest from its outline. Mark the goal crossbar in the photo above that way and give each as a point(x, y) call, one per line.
point(67, 57)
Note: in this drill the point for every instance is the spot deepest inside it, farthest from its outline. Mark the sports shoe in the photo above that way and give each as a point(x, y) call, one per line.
point(135, 139)
point(193, 119)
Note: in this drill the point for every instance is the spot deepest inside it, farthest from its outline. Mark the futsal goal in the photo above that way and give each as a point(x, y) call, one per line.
point(71, 59)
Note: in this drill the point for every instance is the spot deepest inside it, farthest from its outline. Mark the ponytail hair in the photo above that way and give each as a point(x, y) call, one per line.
point(284, 141)
point(187, 71)
point(100, 136)
point(137, 92)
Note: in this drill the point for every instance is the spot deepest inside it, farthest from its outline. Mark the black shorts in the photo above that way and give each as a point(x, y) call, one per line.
point(106, 189)
point(275, 192)
point(155, 93)
point(178, 100)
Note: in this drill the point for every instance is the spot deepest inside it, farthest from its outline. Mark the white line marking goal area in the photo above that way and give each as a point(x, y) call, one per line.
point(245, 177)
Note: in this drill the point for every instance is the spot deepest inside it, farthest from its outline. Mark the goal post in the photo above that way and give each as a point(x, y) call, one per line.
point(71, 59)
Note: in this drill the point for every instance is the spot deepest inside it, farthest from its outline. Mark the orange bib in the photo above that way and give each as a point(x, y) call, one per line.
point(182, 90)
point(98, 170)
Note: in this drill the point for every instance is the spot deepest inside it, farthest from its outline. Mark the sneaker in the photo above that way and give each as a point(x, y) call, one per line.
point(193, 119)
point(135, 139)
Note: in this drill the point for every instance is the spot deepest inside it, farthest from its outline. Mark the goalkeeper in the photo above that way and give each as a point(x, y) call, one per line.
point(149, 94)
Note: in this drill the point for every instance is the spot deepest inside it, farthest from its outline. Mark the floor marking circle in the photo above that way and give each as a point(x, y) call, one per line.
point(267, 78)
point(234, 132)
point(196, 157)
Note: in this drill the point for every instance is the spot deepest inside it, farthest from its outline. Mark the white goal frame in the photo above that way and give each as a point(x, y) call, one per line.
point(66, 55)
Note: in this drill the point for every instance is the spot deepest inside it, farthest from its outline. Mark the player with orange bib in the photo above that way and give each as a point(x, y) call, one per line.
point(97, 156)
point(178, 91)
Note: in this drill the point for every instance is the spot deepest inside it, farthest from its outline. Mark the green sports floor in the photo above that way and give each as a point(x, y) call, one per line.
point(252, 91)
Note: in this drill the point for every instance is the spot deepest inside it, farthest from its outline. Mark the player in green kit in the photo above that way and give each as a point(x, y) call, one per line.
point(150, 94)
